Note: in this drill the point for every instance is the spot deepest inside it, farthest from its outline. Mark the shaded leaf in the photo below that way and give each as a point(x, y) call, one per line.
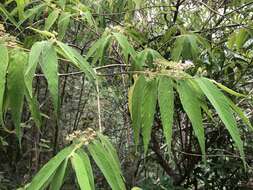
point(148, 111)
point(166, 105)
point(4, 57)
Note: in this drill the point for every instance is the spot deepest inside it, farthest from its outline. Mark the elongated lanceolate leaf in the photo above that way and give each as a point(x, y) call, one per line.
point(148, 111)
point(81, 172)
point(136, 105)
point(49, 66)
point(221, 105)
point(72, 55)
point(51, 19)
point(34, 58)
point(4, 60)
point(106, 165)
point(49, 169)
point(16, 87)
point(63, 23)
point(87, 164)
point(166, 105)
point(192, 107)
point(58, 178)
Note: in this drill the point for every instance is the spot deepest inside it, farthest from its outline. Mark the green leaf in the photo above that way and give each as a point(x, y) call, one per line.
point(34, 108)
point(16, 87)
point(137, 98)
point(8, 15)
point(81, 172)
point(21, 7)
point(112, 152)
point(51, 19)
point(127, 48)
point(228, 90)
point(166, 105)
point(72, 55)
point(49, 66)
point(49, 169)
point(63, 23)
point(4, 57)
point(221, 105)
point(105, 164)
point(87, 164)
point(148, 111)
point(178, 48)
point(192, 107)
point(241, 37)
point(97, 50)
point(58, 178)
point(34, 58)
point(240, 113)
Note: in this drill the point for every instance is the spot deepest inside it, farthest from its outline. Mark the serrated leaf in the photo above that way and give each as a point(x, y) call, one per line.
point(58, 178)
point(87, 164)
point(112, 152)
point(228, 90)
point(43, 176)
point(34, 57)
point(221, 105)
point(34, 109)
point(166, 105)
point(240, 113)
point(127, 48)
point(192, 107)
point(63, 23)
point(4, 57)
point(51, 19)
point(81, 172)
point(178, 48)
point(137, 98)
point(16, 87)
point(102, 159)
point(49, 66)
point(148, 111)
point(98, 49)
point(72, 55)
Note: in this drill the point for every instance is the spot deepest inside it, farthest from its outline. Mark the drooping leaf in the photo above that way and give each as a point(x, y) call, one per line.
point(51, 19)
point(148, 111)
point(81, 172)
point(34, 109)
point(63, 23)
point(4, 57)
point(102, 159)
point(166, 105)
point(72, 55)
point(87, 164)
point(127, 48)
point(49, 169)
point(49, 66)
point(34, 58)
point(228, 90)
point(137, 98)
point(16, 87)
point(221, 105)
point(58, 178)
point(192, 107)
point(112, 152)
point(98, 49)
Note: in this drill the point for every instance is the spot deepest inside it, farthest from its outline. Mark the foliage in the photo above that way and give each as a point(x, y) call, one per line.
point(185, 72)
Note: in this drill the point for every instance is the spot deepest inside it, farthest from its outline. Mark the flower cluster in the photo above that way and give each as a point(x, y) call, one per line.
point(85, 136)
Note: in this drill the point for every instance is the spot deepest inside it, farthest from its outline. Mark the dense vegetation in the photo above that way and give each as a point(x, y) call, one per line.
point(126, 94)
